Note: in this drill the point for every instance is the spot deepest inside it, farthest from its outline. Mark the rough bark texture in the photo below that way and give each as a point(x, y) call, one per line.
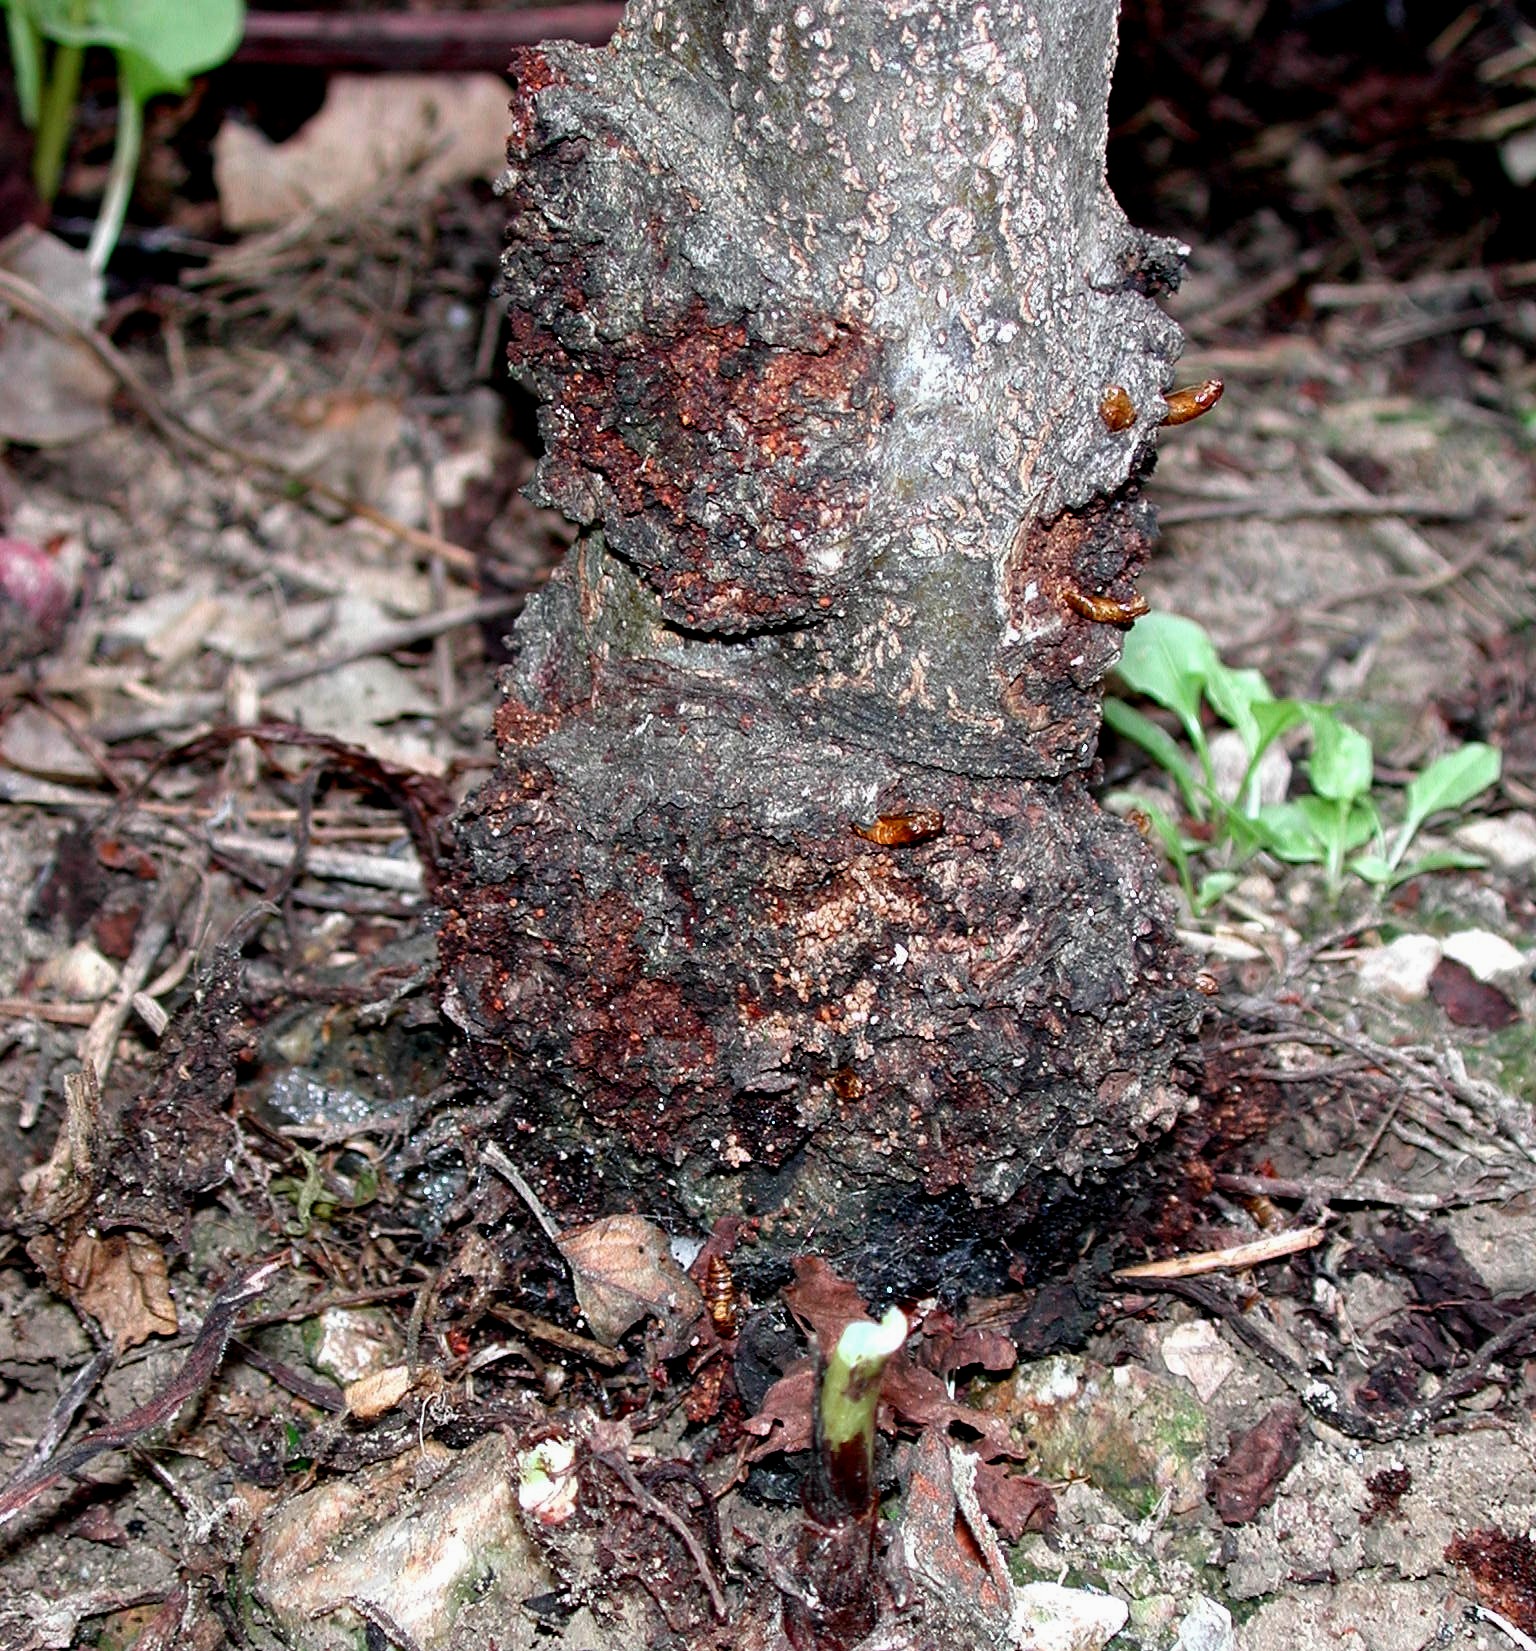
point(789, 893)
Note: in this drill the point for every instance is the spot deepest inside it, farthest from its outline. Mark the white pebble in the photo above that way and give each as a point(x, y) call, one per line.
point(1402, 969)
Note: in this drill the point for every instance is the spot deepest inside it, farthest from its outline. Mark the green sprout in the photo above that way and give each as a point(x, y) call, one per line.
point(159, 44)
point(1171, 661)
point(837, 1538)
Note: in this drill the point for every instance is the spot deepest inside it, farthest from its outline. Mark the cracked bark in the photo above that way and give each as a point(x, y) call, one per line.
point(789, 896)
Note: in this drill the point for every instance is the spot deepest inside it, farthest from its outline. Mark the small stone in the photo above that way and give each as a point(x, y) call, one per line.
point(1402, 969)
point(1196, 1352)
point(428, 1538)
point(1508, 840)
point(1486, 954)
point(352, 1343)
point(81, 974)
point(1049, 1617)
point(1271, 779)
point(1208, 1627)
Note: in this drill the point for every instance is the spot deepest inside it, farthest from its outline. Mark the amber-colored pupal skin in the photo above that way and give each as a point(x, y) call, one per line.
point(721, 1298)
point(1104, 610)
point(898, 830)
point(1117, 409)
point(1192, 402)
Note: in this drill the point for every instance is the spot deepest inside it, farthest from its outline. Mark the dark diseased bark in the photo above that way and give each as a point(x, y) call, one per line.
point(788, 884)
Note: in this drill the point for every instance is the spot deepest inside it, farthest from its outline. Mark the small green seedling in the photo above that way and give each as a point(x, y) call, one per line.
point(159, 44)
point(1171, 661)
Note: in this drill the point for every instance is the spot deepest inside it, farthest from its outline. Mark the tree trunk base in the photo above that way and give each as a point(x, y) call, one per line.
point(742, 967)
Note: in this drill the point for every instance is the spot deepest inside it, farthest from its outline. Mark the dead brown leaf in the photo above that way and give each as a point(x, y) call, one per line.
point(823, 1304)
point(1014, 1502)
point(121, 1282)
point(623, 1271)
point(1258, 1460)
point(1468, 1001)
point(949, 1346)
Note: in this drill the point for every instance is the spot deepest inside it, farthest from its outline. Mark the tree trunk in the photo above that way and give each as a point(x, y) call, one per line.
point(789, 896)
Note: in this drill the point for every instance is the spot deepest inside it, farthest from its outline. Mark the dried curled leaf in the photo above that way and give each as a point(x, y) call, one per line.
point(623, 1271)
point(121, 1282)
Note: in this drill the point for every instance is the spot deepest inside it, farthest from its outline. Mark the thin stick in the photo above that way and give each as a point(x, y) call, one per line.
point(1286, 507)
point(1235, 1258)
point(203, 1358)
point(23, 296)
point(1328, 1189)
point(58, 1014)
point(554, 1336)
point(100, 1041)
point(373, 871)
point(493, 1155)
point(669, 1517)
point(1505, 1627)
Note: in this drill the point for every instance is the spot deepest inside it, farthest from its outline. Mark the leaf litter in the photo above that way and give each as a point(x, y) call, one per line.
point(299, 489)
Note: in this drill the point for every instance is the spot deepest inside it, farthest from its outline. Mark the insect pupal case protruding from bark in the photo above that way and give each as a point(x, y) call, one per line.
point(1192, 401)
point(1104, 610)
point(1117, 409)
point(898, 830)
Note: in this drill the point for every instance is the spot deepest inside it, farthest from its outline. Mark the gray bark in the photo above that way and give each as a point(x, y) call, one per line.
point(789, 896)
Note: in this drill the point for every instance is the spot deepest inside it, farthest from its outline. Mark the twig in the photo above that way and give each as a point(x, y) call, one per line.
point(203, 1358)
point(322, 1395)
point(493, 1155)
point(100, 1041)
point(61, 1014)
point(659, 1510)
point(173, 428)
point(390, 639)
point(67, 1408)
point(568, 1341)
point(1286, 507)
point(1505, 1627)
point(1327, 1189)
point(438, 42)
point(1235, 1258)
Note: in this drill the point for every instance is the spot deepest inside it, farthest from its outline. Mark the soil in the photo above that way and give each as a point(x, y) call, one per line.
point(248, 728)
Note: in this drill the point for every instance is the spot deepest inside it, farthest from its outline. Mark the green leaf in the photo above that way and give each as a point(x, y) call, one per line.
point(26, 61)
point(1450, 782)
point(1311, 830)
point(1159, 744)
point(1340, 767)
point(1274, 717)
point(1377, 869)
point(1288, 831)
point(162, 42)
point(1212, 886)
point(1169, 659)
point(1236, 695)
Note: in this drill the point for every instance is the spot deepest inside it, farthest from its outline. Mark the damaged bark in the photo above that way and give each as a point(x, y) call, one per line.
point(789, 896)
